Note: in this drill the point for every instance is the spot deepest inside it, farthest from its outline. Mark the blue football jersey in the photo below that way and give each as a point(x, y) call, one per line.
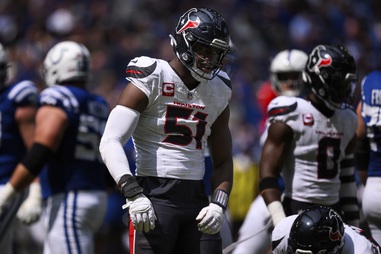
point(77, 165)
point(12, 147)
point(371, 113)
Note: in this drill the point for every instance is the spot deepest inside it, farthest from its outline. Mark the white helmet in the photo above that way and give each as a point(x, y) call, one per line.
point(3, 65)
point(286, 72)
point(66, 61)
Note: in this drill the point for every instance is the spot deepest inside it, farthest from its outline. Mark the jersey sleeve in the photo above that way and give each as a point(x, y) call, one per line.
point(24, 93)
point(282, 109)
point(60, 97)
point(141, 72)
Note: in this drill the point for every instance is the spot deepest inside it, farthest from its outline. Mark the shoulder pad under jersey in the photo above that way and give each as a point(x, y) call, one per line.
point(24, 93)
point(59, 96)
point(225, 78)
point(141, 67)
point(281, 105)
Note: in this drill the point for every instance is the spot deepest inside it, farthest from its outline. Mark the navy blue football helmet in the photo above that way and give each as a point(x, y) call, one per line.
point(317, 230)
point(331, 74)
point(201, 30)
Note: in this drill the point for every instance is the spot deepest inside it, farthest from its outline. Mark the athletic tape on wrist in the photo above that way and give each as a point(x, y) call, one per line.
point(129, 186)
point(276, 211)
point(220, 198)
point(36, 158)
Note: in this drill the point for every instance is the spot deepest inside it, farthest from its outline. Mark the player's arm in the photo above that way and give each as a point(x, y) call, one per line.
point(30, 209)
point(51, 123)
point(212, 217)
point(220, 145)
point(348, 188)
point(25, 118)
point(278, 140)
point(50, 126)
point(120, 125)
point(362, 150)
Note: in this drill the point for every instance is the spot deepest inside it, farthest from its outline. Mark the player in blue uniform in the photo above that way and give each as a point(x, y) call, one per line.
point(69, 124)
point(18, 106)
point(369, 136)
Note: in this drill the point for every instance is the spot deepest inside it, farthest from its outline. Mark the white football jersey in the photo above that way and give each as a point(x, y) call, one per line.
point(312, 169)
point(172, 131)
point(355, 242)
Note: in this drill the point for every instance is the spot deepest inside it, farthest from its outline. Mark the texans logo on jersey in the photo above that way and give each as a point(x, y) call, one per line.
point(308, 119)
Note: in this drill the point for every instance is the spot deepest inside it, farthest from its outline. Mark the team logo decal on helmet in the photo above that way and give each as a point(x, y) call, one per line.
point(190, 24)
point(334, 233)
point(319, 59)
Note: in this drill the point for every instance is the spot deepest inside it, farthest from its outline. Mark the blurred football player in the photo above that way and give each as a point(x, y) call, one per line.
point(18, 106)
point(173, 110)
point(320, 229)
point(69, 124)
point(311, 140)
point(286, 70)
point(369, 146)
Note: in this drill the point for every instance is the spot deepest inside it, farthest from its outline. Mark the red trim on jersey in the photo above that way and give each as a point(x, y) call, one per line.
point(282, 110)
point(133, 71)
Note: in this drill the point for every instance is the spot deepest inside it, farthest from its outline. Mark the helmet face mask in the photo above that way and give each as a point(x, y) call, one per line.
point(66, 62)
point(201, 42)
point(286, 72)
point(317, 230)
point(331, 74)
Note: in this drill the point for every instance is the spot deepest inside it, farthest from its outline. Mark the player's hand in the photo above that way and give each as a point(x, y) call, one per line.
point(211, 219)
point(31, 209)
point(6, 194)
point(141, 212)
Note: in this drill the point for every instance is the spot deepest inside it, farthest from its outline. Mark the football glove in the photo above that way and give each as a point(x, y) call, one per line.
point(31, 209)
point(141, 211)
point(6, 194)
point(211, 219)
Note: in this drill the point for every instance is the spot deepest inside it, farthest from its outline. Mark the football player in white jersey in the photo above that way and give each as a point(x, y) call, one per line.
point(286, 70)
point(173, 110)
point(320, 229)
point(311, 140)
point(369, 146)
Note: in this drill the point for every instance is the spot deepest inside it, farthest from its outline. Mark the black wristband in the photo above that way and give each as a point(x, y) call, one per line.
point(36, 158)
point(268, 183)
point(220, 198)
point(129, 186)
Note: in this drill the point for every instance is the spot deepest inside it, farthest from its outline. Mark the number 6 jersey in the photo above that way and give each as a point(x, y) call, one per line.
point(312, 169)
point(172, 131)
